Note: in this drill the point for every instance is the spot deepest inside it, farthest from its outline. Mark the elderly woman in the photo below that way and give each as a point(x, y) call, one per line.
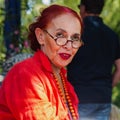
point(37, 88)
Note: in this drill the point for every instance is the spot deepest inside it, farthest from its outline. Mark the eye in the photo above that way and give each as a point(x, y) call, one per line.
point(60, 35)
point(75, 37)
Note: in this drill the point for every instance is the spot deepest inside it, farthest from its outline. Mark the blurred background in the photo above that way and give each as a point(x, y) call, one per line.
point(16, 15)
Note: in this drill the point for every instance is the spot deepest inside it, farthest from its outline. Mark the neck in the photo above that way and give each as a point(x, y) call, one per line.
point(90, 14)
point(56, 69)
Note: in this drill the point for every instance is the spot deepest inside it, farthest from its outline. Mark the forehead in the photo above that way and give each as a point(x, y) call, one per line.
point(67, 22)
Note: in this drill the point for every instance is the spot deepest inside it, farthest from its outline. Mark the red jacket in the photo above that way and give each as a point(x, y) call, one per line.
point(29, 92)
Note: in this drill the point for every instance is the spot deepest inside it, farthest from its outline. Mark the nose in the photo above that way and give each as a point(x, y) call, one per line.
point(68, 45)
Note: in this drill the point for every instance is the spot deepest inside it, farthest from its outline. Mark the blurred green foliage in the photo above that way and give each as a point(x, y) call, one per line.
point(111, 15)
point(116, 95)
point(30, 9)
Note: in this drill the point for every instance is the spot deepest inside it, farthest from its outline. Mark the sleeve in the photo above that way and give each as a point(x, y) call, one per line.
point(26, 96)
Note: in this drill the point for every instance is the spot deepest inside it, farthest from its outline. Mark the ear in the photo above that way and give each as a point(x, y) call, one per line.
point(39, 35)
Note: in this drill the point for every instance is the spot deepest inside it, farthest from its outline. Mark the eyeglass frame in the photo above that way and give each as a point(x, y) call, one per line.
point(55, 38)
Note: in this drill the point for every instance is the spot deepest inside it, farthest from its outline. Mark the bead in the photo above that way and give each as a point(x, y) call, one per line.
point(67, 98)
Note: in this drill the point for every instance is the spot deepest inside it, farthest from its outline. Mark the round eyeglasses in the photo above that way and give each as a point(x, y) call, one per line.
point(61, 41)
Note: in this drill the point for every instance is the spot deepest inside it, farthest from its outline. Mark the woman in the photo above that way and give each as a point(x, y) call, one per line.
point(36, 88)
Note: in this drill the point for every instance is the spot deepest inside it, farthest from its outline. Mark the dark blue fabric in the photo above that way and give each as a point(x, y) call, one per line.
point(94, 111)
point(90, 70)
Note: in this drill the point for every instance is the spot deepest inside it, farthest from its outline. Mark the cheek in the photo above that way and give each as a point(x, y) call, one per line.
point(51, 49)
point(74, 52)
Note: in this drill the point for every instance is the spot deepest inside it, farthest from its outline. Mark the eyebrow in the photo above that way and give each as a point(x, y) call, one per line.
point(67, 32)
point(61, 29)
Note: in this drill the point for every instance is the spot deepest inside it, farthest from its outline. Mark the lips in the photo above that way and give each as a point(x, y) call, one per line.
point(64, 56)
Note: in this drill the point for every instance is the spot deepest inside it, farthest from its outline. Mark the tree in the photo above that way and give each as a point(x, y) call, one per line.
point(12, 26)
point(111, 15)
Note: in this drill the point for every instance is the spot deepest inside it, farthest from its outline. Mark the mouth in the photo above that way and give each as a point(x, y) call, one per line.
point(65, 56)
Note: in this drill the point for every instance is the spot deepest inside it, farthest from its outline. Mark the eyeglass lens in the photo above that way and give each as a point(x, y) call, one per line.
point(62, 40)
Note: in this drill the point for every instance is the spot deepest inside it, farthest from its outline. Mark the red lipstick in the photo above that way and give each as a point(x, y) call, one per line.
point(64, 56)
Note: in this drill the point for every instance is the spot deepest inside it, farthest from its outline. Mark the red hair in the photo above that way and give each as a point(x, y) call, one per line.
point(45, 18)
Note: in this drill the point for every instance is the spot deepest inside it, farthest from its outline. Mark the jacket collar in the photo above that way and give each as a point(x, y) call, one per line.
point(43, 60)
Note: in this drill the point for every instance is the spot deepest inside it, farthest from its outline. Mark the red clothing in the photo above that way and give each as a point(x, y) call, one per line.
point(29, 92)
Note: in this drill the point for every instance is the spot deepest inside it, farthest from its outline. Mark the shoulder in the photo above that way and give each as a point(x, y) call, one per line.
point(23, 73)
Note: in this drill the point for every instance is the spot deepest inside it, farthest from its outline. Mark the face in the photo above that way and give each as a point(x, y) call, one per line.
point(64, 25)
point(82, 11)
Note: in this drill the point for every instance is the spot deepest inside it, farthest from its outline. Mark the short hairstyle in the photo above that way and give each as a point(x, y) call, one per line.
point(46, 16)
point(93, 6)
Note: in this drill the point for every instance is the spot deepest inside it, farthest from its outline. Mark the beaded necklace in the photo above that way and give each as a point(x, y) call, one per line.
point(66, 97)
